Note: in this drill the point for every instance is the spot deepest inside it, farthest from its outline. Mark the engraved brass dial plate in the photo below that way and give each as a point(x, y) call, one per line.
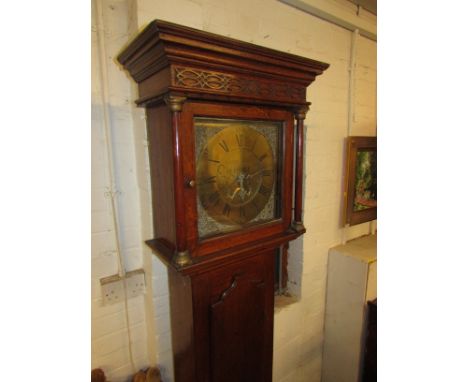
point(236, 173)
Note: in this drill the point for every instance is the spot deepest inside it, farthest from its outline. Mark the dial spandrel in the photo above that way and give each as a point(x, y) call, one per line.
point(237, 173)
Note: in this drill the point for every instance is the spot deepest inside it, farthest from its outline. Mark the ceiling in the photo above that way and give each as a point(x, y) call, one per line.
point(368, 5)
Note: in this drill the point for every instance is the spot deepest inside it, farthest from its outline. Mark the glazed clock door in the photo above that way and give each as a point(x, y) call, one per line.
point(242, 167)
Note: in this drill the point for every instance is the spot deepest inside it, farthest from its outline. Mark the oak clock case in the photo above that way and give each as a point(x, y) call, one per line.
point(241, 165)
point(225, 131)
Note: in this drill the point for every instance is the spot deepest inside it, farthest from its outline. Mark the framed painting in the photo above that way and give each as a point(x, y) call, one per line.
point(360, 196)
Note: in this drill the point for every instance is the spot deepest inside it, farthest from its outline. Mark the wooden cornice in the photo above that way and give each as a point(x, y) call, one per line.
point(232, 66)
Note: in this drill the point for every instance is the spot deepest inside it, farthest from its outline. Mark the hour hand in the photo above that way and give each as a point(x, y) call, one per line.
point(234, 193)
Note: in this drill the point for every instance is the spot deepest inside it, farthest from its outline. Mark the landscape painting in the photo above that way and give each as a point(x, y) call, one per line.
point(360, 194)
point(365, 188)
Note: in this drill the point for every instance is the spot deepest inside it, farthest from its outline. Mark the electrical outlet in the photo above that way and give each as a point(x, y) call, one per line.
point(112, 289)
point(135, 283)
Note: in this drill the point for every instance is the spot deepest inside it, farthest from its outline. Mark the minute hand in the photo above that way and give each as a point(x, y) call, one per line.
point(255, 173)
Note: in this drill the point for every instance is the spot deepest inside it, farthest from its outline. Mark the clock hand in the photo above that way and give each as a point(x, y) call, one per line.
point(240, 187)
point(234, 193)
point(255, 173)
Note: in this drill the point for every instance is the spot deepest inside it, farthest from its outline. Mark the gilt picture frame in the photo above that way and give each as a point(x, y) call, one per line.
point(360, 194)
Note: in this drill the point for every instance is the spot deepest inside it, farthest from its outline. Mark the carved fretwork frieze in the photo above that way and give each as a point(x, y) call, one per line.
point(192, 78)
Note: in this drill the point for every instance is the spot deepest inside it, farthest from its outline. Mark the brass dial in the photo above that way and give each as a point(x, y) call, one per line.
point(235, 175)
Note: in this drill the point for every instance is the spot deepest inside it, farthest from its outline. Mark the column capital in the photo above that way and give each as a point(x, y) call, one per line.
point(174, 102)
point(300, 112)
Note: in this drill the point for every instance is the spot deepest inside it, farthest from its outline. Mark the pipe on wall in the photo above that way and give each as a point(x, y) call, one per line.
point(352, 75)
point(351, 96)
point(113, 191)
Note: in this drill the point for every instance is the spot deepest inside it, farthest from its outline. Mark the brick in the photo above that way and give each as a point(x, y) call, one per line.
point(118, 339)
point(102, 242)
point(98, 310)
point(104, 264)
point(186, 12)
point(161, 304)
point(162, 323)
point(101, 221)
point(110, 343)
point(164, 343)
point(158, 268)
point(130, 238)
point(111, 361)
point(99, 201)
point(115, 322)
point(132, 258)
point(165, 366)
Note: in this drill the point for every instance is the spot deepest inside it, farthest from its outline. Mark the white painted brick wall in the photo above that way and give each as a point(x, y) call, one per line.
point(298, 334)
point(110, 348)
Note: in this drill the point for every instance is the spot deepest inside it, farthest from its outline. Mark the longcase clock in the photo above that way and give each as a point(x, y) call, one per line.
point(225, 130)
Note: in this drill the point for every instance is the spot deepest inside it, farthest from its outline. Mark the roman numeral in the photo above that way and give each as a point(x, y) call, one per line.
point(206, 155)
point(226, 210)
point(224, 145)
point(211, 179)
point(240, 140)
point(267, 173)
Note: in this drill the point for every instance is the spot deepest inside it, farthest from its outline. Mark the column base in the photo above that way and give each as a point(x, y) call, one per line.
point(298, 226)
point(182, 259)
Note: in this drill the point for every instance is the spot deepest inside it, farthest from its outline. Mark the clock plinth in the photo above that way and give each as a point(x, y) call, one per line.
point(225, 124)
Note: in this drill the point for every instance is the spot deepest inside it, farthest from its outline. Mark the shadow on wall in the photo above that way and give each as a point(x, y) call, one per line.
point(295, 262)
point(296, 247)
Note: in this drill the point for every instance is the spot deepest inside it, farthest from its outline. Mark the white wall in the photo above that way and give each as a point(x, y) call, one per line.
point(112, 116)
point(299, 326)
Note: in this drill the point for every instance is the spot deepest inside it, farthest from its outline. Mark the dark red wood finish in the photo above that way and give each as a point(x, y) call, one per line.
point(300, 116)
point(200, 247)
point(233, 321)
point(169, 57)
point(182, 311)
point(222, 321)
point(221, 258)
point(221, 288)
point(178, 158)
point(160, 137)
